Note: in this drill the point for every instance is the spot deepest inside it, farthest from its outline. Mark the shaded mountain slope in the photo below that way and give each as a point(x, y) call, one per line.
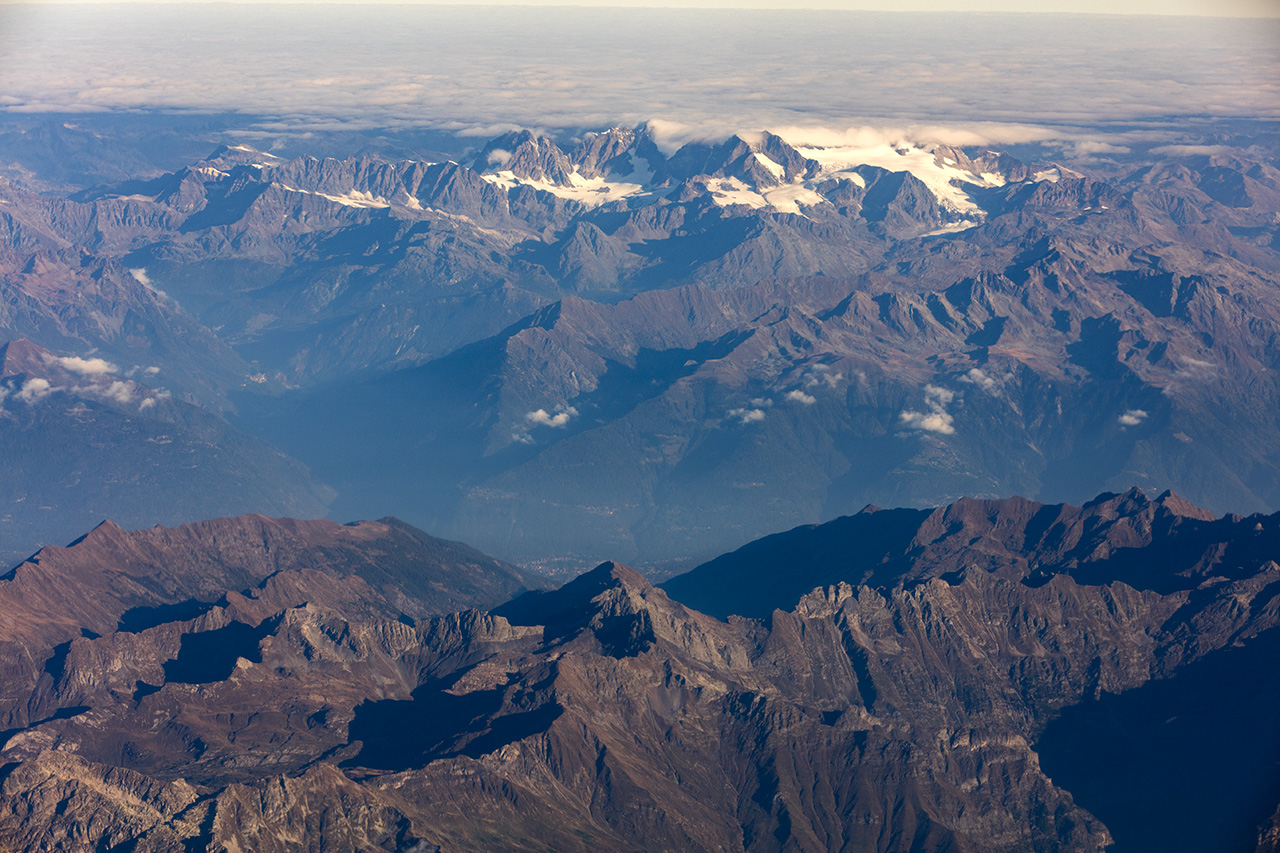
point(1056, 375)
point(82, 439)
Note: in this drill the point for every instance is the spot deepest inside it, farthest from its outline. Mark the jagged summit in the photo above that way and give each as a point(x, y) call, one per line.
point(619, 153)
point(573, 603)
point(231, 155)
point(526, 156)
point(1165, 544)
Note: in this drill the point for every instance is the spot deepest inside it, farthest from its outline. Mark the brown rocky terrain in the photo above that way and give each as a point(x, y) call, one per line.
point(897, 706)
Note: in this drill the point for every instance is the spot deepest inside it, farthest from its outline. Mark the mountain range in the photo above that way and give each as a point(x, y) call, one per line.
point(952, 681)
point(607, 346)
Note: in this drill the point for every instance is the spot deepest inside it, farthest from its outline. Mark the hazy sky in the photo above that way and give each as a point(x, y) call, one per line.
point(482, 69)
point(1215, 8)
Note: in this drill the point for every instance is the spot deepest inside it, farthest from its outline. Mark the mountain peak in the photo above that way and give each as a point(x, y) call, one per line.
point(1175, 504)
point(586, 602)
point(527, 156)
point(22, 356)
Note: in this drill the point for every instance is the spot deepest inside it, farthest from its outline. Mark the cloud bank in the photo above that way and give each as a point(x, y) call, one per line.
point(953, 77)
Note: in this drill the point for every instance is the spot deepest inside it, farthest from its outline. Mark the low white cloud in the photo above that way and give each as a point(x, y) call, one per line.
point(499, 157)
point(86, 366)
point(820, 375)
point(978, 376)
point(140, 276)
point(747, 416)
point(559, 418)
point(119, 392)
point(936, 419)
point(801, 397)
point(1085, 149)
point(1133, 417)
point(34, 390)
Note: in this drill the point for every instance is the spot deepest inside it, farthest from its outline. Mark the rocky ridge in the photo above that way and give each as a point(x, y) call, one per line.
point(894, 711)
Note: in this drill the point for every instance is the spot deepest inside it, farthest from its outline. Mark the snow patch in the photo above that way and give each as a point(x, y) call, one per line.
point(590, 192)
point(787, 198)
point(942, 178)
point(351, 198)
point(952, 228)
point(773, 168)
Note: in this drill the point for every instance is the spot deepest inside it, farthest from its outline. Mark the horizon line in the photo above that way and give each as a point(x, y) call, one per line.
point(1245, 9)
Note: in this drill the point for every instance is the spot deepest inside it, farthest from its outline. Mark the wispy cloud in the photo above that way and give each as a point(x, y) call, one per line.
point(820, 375)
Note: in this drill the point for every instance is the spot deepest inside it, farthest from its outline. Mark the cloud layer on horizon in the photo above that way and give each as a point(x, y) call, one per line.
point(479, 70)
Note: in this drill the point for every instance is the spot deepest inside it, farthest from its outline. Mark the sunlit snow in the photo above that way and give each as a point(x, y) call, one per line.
point(774, 169)
point(939, 177)
point(590, 192)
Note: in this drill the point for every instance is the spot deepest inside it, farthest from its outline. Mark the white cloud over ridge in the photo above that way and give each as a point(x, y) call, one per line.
point(561, 417)
point(978, 376)
point(936, 419)
point(34, 390)
point(690, 73)
point(86, 366)
point(746, 416)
